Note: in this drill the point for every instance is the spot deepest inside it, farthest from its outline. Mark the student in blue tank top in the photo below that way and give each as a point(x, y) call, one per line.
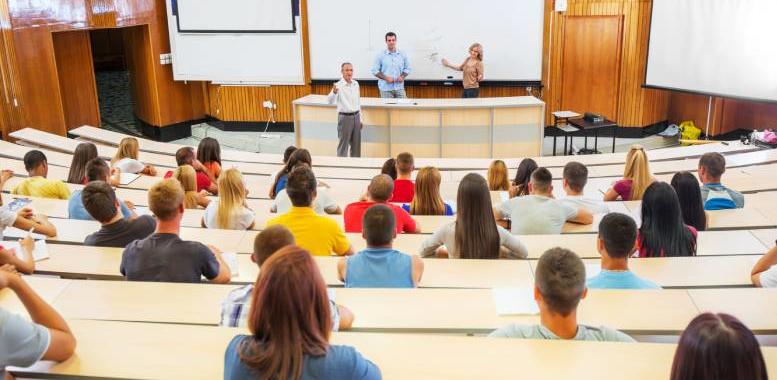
point(616, 242)
point(379, 265)
point(290, 327)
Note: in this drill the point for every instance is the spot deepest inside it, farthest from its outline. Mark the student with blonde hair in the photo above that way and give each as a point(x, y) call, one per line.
point(187, 176)
point(636, 177)
point(229, 212)
point(126, 158)
point(497, 176)
point(427, 199)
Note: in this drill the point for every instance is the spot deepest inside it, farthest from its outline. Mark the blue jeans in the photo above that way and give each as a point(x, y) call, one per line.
point(393, 94)
point(471, 93)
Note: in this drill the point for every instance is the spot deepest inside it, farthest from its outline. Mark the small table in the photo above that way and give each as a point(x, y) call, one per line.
point(586, 126)
point(565, 129)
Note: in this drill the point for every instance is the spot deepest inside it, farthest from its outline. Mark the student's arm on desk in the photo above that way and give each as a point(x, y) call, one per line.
point(224, 275)
point(766, 262)
point(583, 216)
point(39, 223)
point(346, 318)
point(25, 265)
point(418, 270)
point(62, 343)
point(341, 268)
point(611, 195)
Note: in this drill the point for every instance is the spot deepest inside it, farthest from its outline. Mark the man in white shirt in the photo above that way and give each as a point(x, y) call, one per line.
point(345, 93)
point(575, 179)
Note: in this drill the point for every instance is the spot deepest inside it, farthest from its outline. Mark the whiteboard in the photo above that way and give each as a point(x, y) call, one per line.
point(721, 47)
point(428, 30)
point(235, 15)
point(236, 58)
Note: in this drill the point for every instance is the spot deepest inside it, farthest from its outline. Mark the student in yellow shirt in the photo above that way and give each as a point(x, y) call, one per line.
point(37, 185)
point(318, 234)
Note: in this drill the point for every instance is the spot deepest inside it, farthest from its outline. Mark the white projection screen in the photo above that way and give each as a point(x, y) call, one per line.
point(715, 47)
point(428, 30)
point(246, 16)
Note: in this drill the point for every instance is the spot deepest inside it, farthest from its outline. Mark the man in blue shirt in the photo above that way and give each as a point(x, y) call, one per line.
point(616, 242)
point(714, 195)
point(391, 67)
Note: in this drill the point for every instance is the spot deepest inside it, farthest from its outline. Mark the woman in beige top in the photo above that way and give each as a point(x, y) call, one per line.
point(473, 71)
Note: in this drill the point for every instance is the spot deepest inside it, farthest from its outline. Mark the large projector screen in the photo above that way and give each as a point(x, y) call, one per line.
point(428, 30)
point(715, 47)
point(245, 16)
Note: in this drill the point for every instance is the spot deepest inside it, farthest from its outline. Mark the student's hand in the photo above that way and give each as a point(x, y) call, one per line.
point(5, 175)
point(150, 170)
point(8, 275)
point(115, 171)
point(129, 205)
point(40, 218)
point(203, 193)
point(389, 79)
point(27, 244)
point(25, 212)
point(334, 88)
point(445, 62)
point(215, 250)
point(197, 165)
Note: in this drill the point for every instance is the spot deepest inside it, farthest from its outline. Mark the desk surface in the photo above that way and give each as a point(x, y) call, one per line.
point(404, 356)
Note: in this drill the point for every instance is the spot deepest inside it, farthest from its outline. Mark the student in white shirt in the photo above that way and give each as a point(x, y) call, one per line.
point(575, 179)
point(345, 93)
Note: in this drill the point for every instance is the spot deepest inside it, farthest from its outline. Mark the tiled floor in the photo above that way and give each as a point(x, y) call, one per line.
point(116, 104)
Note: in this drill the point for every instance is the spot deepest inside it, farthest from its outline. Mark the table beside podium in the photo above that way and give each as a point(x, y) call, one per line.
point(450, 128)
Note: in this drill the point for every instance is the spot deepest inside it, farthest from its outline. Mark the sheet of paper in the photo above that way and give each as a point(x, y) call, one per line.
point(515, 301)
point(18, 203)
point(127, 178)
point(592, 270)
point(13, 232)
point(231, 259)
point(39, 252)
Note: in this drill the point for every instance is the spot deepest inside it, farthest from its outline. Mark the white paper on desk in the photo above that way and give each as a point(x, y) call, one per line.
point(127, 178)
point(231, 259)
point(14, 232)
point(592, 270)
point(39, 251)
point(515, 301)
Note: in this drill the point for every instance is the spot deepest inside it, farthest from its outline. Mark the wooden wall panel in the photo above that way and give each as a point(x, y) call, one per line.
point(78, 90)
point(137, 53)
point(11, 116)
point(726, 114)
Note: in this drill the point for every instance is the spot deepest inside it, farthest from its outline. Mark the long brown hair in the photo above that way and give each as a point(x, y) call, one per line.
point(637, 169)
point(497, 176)
point(187, 176)
point(299, 155)
point(476, 234)
point(523, 176)
point(84, 153)
point(289, 315)
point(427, 200)
point(209, 151)
point(232, 197)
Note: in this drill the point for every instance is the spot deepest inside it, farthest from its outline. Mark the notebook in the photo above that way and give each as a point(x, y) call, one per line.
point(13, 232)
point(127, 178)
point(231, 259)
point(39, 252)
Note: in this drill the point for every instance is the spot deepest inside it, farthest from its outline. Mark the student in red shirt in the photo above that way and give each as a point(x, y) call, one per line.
point(205, 180)
point(379, 191)
point(404, 189)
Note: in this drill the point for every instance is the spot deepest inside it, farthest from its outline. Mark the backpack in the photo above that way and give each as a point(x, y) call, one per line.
point(688, 131)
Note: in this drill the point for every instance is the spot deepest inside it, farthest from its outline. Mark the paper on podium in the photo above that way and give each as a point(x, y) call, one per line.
point(39, 251)
point(231, 259)
point(592, 270)
point(127, 178)
point(515, 301)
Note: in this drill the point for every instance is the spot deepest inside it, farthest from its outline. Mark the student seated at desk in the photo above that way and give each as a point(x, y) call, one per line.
point(84, 153)
point(538, 213)
point(187, 177)
point(497, 176)
point(663, 232)
point(209, 154)
point(286, 156)
point(163, 256)
point(474, 234)
point(319, 234)
point(24, 342)
point(290, 327)
point(718, 347)
point(404, 188)
point(126, 158)
point(390, 168)
point(559, 285)
point(24, 219)
point(37, 185)
point(427, 199)
point(379, 265)
point(636, 177)
point(689, 194)
point(715, 196)
point(575, 179)
point(378, 192)
point(236, 307)
point(323, 204)
point(100, 202)
point(96, 170)
point(520, 185)
point(229, 211)
point(297, 157)
point(617, 241)
point(205, 181)
point(764, 272)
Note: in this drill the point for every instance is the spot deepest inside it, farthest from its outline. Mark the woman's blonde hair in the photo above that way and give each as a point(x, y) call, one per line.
point(128, 148)
point(427, 200)
point(232, 197)
point(187, 176)
point(480, 49)
point(497, 176)
point(637, 169)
